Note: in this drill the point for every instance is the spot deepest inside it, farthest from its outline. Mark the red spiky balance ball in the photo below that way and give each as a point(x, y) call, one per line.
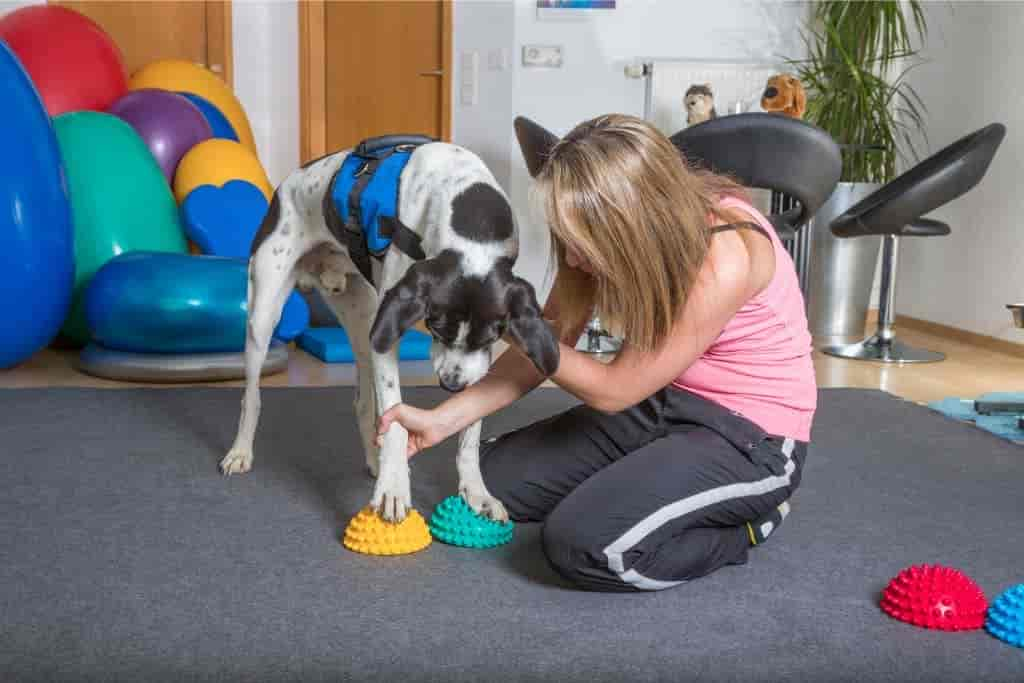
point(935, 597)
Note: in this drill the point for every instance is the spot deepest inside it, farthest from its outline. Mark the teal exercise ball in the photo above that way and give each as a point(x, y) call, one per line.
point(172, 303)
point(120, 200)
point(36, 249)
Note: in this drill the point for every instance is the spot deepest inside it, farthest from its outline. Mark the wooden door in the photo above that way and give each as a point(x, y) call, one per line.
point(373, 68)
point(195, 30)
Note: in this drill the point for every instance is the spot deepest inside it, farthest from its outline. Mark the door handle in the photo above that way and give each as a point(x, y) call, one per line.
point(436, 72)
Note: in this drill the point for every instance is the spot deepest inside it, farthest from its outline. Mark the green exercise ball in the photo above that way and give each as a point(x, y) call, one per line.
point(120, 200)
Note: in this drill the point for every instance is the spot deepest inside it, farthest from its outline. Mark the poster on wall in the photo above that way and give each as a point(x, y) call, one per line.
point(571, 9)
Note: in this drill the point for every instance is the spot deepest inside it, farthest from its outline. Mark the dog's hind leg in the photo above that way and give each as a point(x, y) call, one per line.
point(271, 280)
point(354, 307)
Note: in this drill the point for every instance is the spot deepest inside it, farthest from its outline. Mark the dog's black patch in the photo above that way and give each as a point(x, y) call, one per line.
point(269, 224)
point(480, 213)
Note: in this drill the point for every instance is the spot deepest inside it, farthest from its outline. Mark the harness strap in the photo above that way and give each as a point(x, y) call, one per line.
point(366, 158)
point(358, 249)
point(402, 237)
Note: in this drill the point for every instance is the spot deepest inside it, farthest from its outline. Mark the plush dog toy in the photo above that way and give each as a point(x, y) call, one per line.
point(699, 103)
point(784, 94)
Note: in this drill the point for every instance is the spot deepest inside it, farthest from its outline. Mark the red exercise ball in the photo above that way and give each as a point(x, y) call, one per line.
point(72, 62)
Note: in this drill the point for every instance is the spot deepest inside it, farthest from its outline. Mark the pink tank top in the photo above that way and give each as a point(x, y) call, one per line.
point(760, 365)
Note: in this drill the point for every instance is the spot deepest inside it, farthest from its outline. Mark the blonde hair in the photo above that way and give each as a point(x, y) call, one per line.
point(618, 193)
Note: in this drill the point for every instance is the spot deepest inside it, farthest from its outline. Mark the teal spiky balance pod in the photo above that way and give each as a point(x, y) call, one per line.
point(455, 523)
point(1006, 616)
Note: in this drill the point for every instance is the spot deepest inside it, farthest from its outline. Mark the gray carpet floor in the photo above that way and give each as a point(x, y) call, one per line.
point(124, 556)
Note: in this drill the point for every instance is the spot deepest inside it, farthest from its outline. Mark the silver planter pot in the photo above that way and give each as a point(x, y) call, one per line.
point(841, 270)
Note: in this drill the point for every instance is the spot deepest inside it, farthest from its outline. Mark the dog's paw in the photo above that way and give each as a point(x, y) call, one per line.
point(392, 507)
point(485, 504)
point(392, 498)
point(237, 461)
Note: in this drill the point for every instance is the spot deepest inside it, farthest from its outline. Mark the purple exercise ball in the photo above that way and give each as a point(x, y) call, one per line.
point(168, 123)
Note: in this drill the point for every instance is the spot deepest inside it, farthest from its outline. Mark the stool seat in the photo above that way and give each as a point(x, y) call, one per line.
point(771, 152)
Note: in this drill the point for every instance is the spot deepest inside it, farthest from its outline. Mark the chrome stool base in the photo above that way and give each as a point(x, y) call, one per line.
point(874, 348)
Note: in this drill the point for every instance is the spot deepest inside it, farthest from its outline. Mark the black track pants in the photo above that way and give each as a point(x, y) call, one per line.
point(647, 498)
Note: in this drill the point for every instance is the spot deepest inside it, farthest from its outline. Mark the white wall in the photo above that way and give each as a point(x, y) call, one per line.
point(592, 81)
point(483, 26)
point(972, 79)
point(266, 63)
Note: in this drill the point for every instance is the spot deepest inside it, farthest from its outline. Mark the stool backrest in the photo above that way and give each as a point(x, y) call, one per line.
point(768, 151)
point(938, 180)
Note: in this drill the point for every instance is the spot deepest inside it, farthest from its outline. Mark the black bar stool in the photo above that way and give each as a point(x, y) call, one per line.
point(896, 210)
point(771, 152)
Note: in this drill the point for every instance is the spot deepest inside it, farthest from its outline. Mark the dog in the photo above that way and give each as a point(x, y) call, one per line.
point(462, 241)
point(784, 94)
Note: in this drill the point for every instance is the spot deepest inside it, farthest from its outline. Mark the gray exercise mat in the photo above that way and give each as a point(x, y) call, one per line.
point(125, 556)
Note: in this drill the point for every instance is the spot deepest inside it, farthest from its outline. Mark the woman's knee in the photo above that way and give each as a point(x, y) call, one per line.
point(578, 555)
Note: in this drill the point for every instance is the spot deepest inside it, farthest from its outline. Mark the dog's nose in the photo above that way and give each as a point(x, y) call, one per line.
point(453, 386)
point(771, 92)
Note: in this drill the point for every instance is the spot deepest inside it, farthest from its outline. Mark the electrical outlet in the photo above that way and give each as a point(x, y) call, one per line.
point(548, 56)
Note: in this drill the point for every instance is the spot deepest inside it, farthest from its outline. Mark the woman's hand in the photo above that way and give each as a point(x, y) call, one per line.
point(426, 427)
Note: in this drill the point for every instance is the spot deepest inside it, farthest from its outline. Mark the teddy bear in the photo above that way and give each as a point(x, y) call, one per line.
point(699, 103)
point(784, 94)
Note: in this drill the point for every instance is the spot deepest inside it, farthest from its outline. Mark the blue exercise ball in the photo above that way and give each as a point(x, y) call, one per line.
point(37, 263)
point(158, 302)
point(222, 128)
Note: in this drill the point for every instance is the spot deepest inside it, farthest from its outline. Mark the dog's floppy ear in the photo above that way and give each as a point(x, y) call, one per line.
point(799, 99)
point(536, 143)
point(529, 329)
point(402, 306)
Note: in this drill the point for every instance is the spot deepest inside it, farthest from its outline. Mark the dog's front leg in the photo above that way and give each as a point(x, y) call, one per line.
point(392, 497)
point(471, 481)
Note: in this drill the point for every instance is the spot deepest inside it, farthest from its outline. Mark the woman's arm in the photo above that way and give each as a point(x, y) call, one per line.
point(511, 377)
point(724, 284)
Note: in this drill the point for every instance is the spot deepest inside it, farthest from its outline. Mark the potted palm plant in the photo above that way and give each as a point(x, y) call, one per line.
point(858, 56)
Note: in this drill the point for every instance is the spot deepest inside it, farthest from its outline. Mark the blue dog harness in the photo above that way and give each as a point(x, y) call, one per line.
point(361, 204)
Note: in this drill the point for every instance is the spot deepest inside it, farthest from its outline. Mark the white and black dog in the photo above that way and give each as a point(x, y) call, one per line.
point(462, 287)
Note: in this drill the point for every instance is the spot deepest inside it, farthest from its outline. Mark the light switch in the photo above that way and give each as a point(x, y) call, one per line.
point(549, 56)
point(498, 59)
point(470, 77)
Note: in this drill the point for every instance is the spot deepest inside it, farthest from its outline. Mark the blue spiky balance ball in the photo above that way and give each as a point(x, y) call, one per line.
point(1006, 616)
point(455, 523)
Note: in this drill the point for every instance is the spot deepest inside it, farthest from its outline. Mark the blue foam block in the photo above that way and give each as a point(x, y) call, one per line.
point(331, 345)
point(1003, 426)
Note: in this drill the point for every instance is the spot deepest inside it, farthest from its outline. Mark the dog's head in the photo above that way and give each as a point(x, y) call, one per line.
point(784, 94)
point(465, 312)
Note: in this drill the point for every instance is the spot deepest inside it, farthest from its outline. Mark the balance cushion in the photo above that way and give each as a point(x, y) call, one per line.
point(172, 303)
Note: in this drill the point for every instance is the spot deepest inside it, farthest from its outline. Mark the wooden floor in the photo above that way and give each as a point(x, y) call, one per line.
point(967, 372)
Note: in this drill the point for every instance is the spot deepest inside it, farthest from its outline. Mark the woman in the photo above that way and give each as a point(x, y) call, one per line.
point(689, 443)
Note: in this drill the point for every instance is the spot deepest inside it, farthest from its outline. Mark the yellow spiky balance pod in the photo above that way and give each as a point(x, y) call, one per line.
point(369, 534)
